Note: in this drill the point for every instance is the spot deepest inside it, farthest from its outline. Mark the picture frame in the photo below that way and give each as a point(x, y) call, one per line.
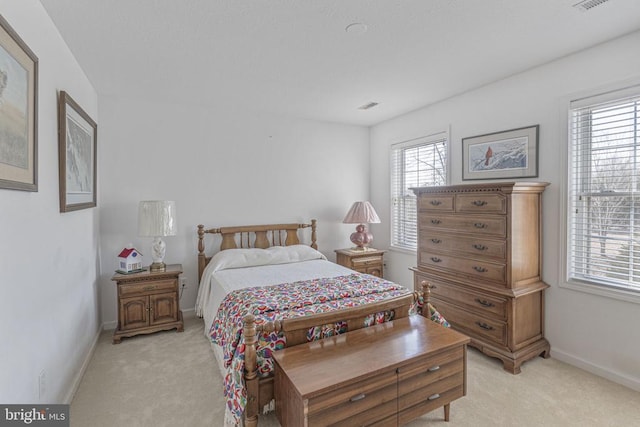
point(18, 112)
point(501, 155)
point(77, 154)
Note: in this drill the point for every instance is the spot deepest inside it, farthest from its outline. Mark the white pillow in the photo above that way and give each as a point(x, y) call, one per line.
point(239, 258)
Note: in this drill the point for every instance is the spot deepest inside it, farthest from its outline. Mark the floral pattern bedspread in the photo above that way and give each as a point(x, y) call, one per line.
point(285, 301)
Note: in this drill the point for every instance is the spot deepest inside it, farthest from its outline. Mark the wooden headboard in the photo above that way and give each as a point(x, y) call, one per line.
point(252, 236)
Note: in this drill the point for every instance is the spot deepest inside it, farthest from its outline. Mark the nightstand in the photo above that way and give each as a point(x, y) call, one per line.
point(370, 261)
point(148, 302)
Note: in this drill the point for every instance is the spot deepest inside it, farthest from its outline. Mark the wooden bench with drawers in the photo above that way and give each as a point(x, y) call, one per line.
point(383, 375)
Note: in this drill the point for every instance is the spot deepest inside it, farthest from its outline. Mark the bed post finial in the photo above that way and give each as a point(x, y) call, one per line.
point(426, 297)
point(200, 238)
point(314, 223)
point(202, 260)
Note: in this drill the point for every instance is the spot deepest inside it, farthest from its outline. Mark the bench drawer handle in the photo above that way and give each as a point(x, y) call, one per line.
point(435, 259)
point(435, 202)
point(479, 225)
point(433, 397)
point(435, 221)
point(358, 397)
point(433, 368)
point(436, 241)
point(479, 203)
point(480, 247)
point(480, 269)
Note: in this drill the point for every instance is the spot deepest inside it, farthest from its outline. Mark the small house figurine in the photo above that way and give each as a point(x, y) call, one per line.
point(129, 261)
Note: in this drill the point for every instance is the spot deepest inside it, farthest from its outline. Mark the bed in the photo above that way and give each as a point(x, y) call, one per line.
point(264, 290)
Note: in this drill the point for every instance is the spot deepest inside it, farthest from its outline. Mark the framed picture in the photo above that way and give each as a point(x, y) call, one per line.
point(508, 154)
point(77, 145)
point(18, 112)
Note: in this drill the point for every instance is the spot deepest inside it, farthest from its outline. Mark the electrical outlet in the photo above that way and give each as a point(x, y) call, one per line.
point(42, 384)
point(183, 282)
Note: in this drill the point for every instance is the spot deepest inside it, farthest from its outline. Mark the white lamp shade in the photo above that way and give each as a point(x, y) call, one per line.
point(361, 213)
point(157, 218)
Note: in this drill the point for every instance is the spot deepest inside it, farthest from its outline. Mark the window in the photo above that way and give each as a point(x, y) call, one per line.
point(604, 191)
point(416, 163)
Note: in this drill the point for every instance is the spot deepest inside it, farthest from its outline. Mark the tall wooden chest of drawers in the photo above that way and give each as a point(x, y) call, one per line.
point(479, 247)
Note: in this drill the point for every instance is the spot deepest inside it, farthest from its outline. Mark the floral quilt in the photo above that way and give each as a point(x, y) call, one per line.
point(285, 301)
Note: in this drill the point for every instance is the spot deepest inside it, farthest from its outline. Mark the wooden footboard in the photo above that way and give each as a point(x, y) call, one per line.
point(260, 390)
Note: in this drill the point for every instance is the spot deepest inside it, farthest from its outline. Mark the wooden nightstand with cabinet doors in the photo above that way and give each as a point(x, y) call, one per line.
point(369, 261)
point(148, 302)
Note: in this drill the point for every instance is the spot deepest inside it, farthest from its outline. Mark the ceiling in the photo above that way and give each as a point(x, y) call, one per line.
point(295, 57)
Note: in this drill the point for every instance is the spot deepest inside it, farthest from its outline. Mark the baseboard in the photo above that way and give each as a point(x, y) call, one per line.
point(632, 383)
point(78, 377)
point(109, 326)
point(189, 313)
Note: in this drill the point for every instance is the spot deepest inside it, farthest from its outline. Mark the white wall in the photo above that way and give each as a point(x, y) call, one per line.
point(223, 168)
point(597, 333)
point(48, 260)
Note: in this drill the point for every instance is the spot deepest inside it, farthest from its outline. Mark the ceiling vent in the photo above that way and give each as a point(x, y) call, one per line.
point(588, 4)
point(367, 106)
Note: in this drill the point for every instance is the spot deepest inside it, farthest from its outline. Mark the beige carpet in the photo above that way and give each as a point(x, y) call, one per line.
point(170, 379)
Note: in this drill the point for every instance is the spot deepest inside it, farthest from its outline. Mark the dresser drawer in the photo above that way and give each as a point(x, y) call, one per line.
point(436, 202)
point(367, 400)
point(483, 304)
point(470, 245)
point(472, 324)
point(493, 272)
point(482, 225)
point(481, 203)
point(160, 286)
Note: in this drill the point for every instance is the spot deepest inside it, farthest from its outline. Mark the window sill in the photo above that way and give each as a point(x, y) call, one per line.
point(403, 250)
point(603, 291)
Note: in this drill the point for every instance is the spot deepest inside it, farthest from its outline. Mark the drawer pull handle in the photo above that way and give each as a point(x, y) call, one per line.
point(479, 203)
point(479, 225)
point(435, 221)
point(433, 397)
point(484, 303)
point(436, 241)
point(480, 269)
point(480, 247)
point(435, 259)
point(435, 202)
point(485, 326)
point(433, 368)
point(358, 397)
point(148, 288)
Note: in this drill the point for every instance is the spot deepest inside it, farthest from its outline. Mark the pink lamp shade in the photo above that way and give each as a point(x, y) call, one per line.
point(361, 213)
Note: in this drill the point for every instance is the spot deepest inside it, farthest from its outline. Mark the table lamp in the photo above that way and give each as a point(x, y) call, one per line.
point(157, 218)
point(361, 213)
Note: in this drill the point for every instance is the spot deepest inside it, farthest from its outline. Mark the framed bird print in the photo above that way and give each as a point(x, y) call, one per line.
point(510, 154)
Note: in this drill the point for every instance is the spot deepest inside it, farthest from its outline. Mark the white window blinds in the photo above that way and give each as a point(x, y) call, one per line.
point(604, 196)
point(417, 163)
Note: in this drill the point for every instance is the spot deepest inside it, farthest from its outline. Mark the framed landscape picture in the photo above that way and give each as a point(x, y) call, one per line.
point(508, 154)
point(18, 112)
point(77, 144)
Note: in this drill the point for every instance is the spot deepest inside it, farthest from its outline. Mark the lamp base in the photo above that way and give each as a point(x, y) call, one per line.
point(361, 238)
point(158, 267)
